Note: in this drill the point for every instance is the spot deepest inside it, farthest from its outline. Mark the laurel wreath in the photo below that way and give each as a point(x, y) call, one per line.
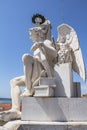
point(37, 16)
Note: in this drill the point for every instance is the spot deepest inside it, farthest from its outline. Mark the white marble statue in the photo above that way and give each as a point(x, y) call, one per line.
point(69, 49)
point(42, 63)
point(46, 56)
point(39, 65)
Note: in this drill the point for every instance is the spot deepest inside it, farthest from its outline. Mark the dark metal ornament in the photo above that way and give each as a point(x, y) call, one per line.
point(38, 19)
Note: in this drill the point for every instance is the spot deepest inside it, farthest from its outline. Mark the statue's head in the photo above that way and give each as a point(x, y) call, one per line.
point(42, 31)
point(38, 19)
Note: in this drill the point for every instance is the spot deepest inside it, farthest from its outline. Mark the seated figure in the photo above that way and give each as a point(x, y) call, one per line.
point(39, 65)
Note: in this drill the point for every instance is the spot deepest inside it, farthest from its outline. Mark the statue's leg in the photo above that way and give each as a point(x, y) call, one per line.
point(38, 71)
point(14, 112)
point(28, 61)
point(47, 68)
point(45, 64)
point(15, 91)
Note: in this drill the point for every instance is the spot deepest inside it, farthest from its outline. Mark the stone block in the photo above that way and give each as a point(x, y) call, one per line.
point(77, 109)
point(54, 109)
point(47, 81)
point(44, 91)
point(64, 80)
point(45, 109)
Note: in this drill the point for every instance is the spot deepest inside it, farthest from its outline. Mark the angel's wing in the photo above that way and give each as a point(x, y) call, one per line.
point(69, 33)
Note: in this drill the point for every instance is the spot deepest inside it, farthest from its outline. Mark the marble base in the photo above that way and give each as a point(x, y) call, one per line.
point(34, 125)
point(54, 109)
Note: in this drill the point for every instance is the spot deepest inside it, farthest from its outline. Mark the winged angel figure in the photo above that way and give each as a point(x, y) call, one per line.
point(69, 49)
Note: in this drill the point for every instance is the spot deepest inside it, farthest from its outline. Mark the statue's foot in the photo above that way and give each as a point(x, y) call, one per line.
point(27, 93)
point(10, 115)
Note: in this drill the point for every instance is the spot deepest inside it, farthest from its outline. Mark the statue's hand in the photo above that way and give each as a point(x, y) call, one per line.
point(36, 45)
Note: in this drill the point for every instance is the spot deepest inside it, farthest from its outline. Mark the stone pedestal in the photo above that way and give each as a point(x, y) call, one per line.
point(64, 80)
point(54, 109)
point(44, 91)
point(46, 87)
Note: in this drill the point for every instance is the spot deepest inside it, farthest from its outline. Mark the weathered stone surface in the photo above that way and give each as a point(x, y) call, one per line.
point(45, 109)
point(54, 109)
point(43, 127)
point(77, 109)
point(52, 127)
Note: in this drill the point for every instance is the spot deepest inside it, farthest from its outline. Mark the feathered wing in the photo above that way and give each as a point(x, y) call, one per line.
point(69, 33)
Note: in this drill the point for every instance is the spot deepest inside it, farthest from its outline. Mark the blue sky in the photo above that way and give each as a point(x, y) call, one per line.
point(15, 21)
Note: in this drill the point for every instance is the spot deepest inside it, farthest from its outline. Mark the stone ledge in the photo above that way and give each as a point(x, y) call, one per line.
point(35, 125)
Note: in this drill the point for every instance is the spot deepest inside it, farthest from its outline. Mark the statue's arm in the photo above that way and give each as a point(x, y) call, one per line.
point(51, 51)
